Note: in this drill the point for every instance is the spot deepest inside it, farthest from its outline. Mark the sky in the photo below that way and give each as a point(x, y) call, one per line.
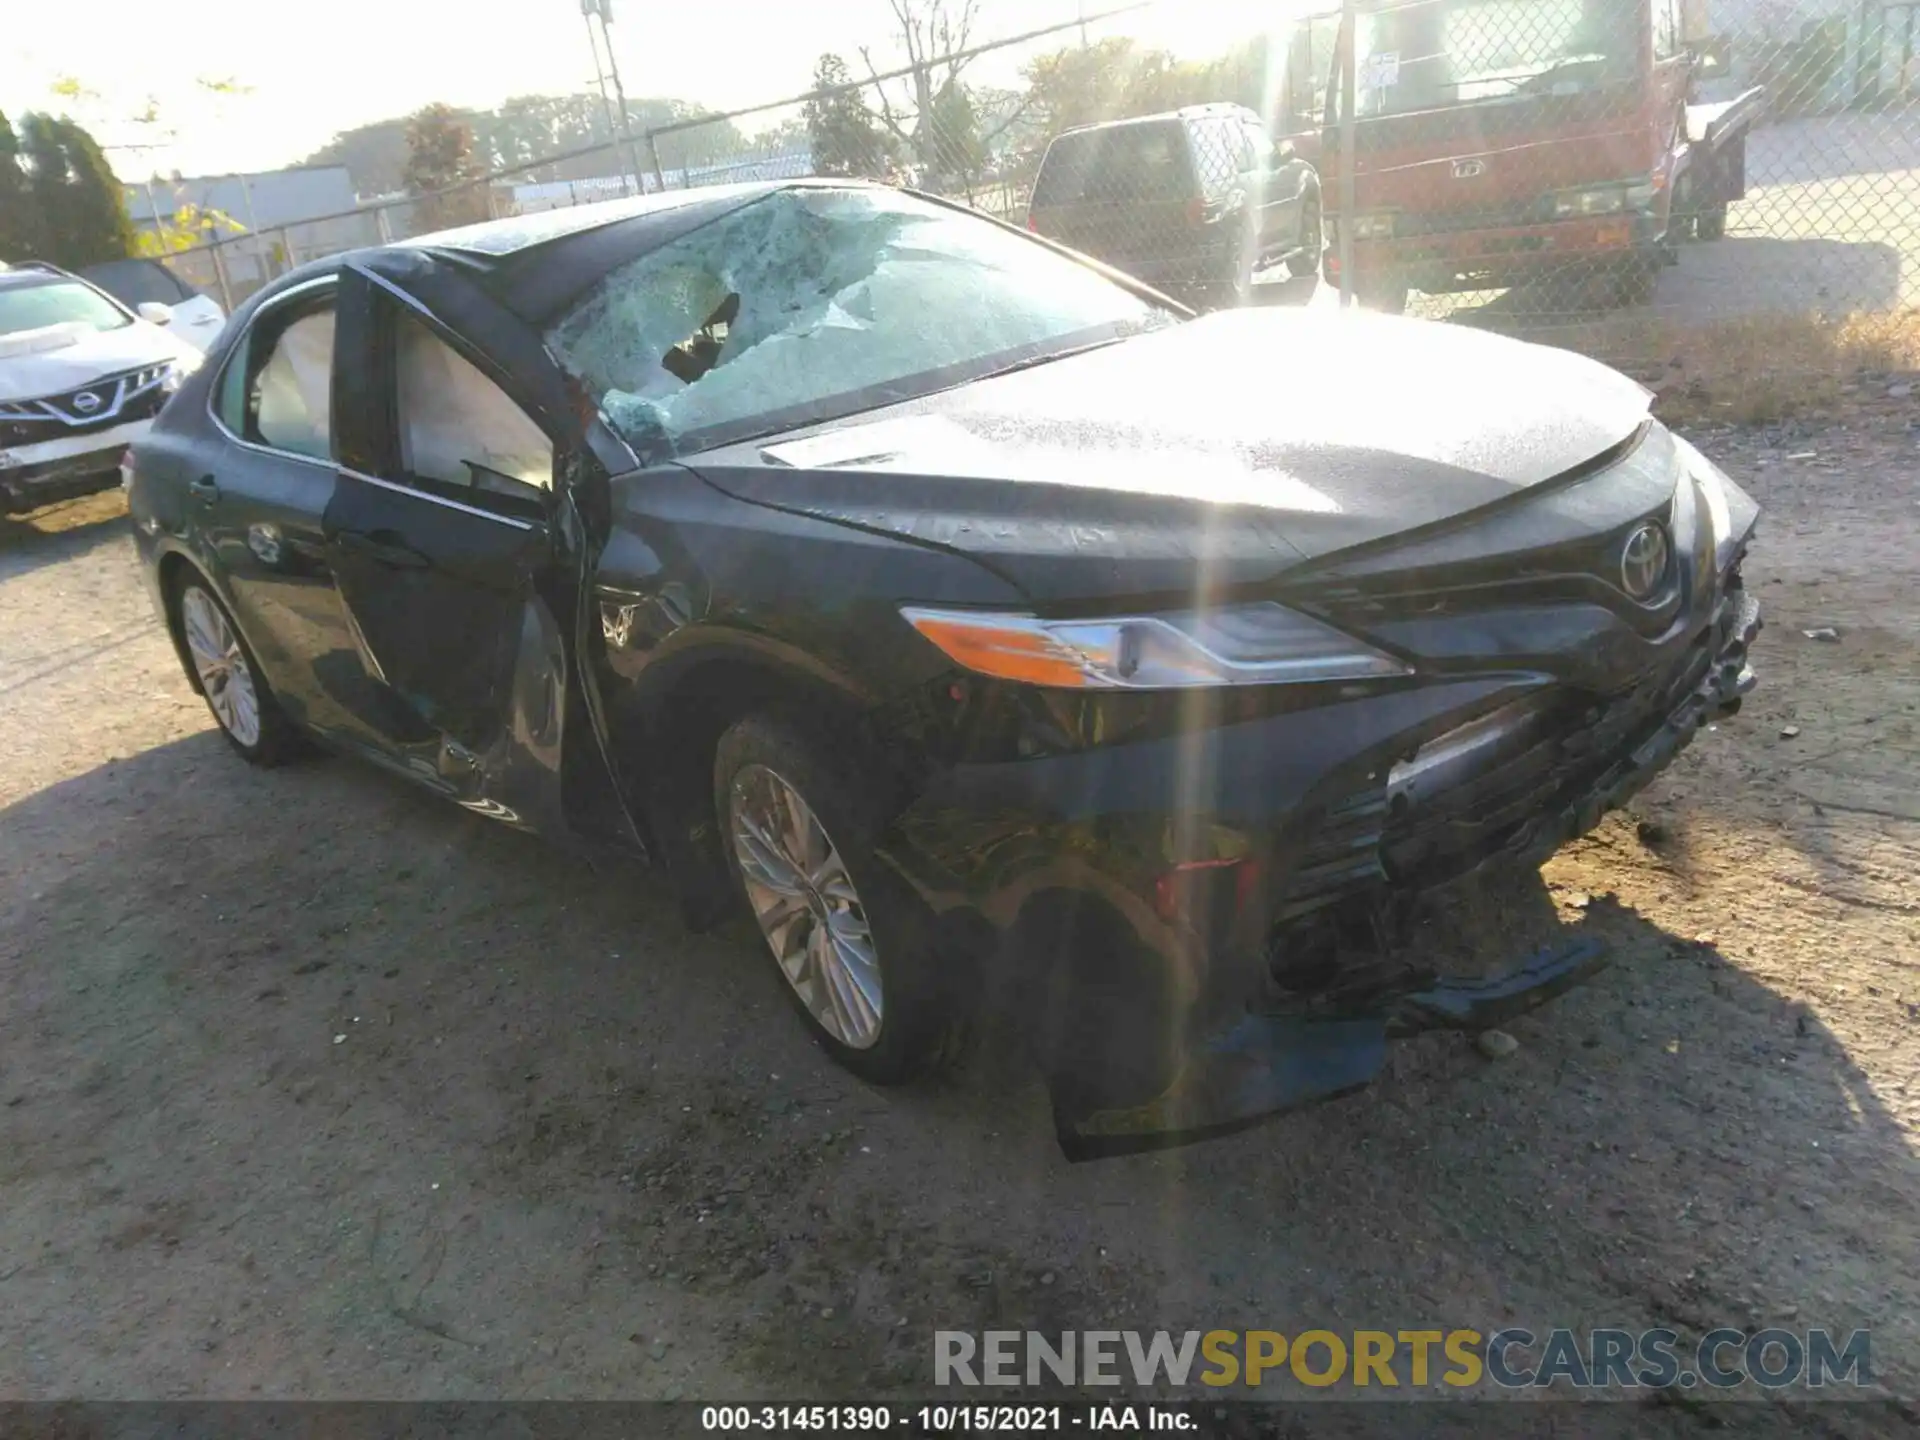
point(352, 61)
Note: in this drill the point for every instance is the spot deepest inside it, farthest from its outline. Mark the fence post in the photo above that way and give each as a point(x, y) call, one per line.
point(287, 247)
point(383, 225)
point(653, 154)
point(1348, 85)
point(220, 272)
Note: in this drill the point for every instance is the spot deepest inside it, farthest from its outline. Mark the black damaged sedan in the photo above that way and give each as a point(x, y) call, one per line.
point(988, 627)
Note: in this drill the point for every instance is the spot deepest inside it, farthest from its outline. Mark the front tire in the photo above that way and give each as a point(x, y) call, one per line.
point(1632, 283)
point(222, 668)
point(1386, 293)
point(850, 941)
point(1306, 260)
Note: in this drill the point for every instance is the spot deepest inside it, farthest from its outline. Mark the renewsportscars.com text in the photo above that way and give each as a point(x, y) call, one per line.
point(1511, 1359)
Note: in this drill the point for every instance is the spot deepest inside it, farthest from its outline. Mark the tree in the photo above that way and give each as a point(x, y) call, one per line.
point(78, 200)
point(375, 156)
point(20, 232)
point(439, 158)
point(950, 145)
point(1110, 80)
point(936, 122)
point(842, 133)
point(188, 225)
point(525, 130)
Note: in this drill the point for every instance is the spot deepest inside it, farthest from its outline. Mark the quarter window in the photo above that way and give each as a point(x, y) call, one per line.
point(458, 430)
point(288, 391)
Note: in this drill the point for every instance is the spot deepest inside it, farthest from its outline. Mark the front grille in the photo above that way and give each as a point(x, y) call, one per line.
point(1382, 831)
point(1341, 854)
point(106, 402)
point(31, 432)
point(1494, 217)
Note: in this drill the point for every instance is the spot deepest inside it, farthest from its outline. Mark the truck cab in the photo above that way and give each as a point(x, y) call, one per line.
point(1501, 141)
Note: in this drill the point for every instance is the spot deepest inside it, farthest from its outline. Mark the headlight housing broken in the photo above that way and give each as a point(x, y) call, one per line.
point(1261, 643)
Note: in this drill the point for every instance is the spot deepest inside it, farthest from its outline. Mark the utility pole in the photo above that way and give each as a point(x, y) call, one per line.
point(1348, 126)
point(600, 73)
point(602, 10)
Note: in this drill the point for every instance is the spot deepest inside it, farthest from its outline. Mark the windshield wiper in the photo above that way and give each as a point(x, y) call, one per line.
point(1028, 362)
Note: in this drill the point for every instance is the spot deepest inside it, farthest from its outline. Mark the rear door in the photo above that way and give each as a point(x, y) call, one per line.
point(456, 555)
point(255, 489)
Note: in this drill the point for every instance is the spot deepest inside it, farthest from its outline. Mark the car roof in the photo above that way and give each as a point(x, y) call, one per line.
point(536, 264)
point(524, 232)
point(1219, 108)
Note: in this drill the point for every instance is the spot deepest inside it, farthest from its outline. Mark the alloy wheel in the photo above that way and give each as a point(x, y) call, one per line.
point(221, 665)
point(804, 899)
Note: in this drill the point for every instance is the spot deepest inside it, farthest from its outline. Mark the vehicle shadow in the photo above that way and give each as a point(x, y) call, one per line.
point(59, 532)
point(1744, 274)
point(348, 996)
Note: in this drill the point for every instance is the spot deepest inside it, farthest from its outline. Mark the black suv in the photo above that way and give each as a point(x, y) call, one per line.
point(1193, 201)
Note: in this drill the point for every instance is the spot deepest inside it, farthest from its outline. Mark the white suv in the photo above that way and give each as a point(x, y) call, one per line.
point(81, 378)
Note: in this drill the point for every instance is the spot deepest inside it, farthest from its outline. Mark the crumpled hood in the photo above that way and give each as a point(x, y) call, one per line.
point(1240, 444)
point(59, 358)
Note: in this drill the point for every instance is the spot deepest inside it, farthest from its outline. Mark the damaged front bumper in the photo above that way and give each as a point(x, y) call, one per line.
point(1156, 1012)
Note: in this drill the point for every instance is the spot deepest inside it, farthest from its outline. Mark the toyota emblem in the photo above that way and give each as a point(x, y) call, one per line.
point(86, 402)
point(1469, 169)
point(1644, 560)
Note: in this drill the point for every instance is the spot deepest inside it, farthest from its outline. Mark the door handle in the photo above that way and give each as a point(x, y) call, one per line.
point(206, 489)
point(384, 547)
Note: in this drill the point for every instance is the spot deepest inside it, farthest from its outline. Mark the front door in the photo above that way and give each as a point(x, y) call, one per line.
point(442, 535)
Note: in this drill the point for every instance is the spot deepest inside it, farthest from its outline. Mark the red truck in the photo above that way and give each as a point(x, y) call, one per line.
point(1497, 142)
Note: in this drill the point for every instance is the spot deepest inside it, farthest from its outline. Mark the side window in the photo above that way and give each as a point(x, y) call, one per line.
point(1259, 147)
point(1216, 155)
point(277, 389)
point(458, 430)
point(1666, 29)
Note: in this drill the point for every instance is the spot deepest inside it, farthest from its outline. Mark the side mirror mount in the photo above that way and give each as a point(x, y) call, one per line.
point(154, 313)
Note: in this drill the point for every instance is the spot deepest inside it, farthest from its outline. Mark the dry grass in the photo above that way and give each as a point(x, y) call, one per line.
point(1754, 370)
point(74, 514)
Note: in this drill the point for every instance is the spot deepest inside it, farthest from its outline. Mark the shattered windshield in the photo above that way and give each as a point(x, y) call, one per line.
point(1426, 56)
point(812, 303)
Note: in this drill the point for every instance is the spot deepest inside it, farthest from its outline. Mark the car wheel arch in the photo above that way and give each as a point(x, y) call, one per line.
point(176, 570)
point(666, 731)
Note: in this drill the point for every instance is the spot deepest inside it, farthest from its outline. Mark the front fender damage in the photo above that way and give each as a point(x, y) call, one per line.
point(1263, 1065)
point(1224, 1068)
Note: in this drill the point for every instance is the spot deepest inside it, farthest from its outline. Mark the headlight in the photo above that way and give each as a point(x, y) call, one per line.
point(175, 373)
point(1365, 227)
point(1730, 510)
point(1589, 202)
point(1602, 200)
point(1256, 644)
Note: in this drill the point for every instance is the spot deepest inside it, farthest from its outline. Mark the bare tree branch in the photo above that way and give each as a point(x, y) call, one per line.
point(887, 117)
point(1018, 113)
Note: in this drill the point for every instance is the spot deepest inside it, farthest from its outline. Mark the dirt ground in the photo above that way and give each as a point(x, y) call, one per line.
point(313, 1086)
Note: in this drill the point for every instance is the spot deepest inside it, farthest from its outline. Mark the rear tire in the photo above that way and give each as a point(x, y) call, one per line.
point(1385, 293)
point(1632, 284)
point(221, 667)
point(850, 941)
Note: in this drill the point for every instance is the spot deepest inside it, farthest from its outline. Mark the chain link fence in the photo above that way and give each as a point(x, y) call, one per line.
point(1647, 180)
